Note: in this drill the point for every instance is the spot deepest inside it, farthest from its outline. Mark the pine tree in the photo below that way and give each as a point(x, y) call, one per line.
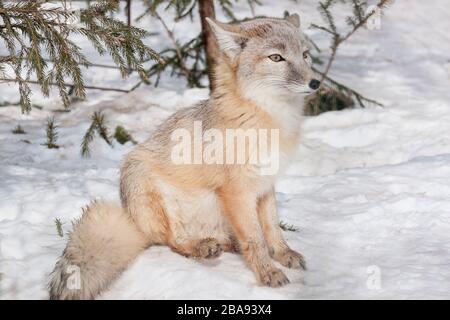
point(52, 134)
point(37, 37)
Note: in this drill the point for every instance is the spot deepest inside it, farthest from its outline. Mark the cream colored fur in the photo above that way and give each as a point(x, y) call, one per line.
point(201, 210)
point(101, 245)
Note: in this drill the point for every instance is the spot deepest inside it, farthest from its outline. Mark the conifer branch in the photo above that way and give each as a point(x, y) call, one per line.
point(187, 60)
point(358, 20)
point(59, 228)
point(178, 52)
point(69, 85)
point(31, 29)
point(338, 39)
point(98, 125)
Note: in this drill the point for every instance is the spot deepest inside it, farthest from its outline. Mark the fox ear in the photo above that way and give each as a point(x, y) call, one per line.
point(294, 19)
point(230, 41)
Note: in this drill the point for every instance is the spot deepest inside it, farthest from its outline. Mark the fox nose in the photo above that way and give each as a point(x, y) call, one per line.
point(314, 84)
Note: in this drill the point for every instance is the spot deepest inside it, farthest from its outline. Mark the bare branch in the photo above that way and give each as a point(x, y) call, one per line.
point(67, 84)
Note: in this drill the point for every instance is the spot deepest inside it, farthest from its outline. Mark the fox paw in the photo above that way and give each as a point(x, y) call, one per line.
point(208, 248)
point(291, 259)
point(274, 278)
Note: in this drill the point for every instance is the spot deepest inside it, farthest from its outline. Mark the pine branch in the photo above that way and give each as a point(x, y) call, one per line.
point(59, 228)
point(70, 85)
point(101, 128)
point(188, 60)
point(98, 125)
point(381, 4)
point(171, 36)
point(186, 11)
point(87, 139)
point(347, 90)
point(192, 51)
point(358, 20)
point(29, 29)
point(337, 39)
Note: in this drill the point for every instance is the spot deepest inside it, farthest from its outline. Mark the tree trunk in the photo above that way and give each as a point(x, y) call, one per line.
point(128, 8)
point(206, 9)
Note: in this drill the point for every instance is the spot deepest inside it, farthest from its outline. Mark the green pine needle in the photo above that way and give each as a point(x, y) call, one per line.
point(52, 134)
point(59, 228)
point(98, 125)
point(123, 136)
point(39, 47)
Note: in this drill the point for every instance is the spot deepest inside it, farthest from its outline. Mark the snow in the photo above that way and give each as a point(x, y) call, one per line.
point(369, 189)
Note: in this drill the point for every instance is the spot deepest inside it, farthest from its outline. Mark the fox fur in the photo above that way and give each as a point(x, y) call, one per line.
point(201, 210)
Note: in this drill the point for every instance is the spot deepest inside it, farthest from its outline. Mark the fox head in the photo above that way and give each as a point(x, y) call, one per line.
point(269, 56)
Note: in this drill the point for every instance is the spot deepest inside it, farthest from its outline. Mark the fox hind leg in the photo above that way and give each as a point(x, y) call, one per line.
point(196, 226)
point(207, 248)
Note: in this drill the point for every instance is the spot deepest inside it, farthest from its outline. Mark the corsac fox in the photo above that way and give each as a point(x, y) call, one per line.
point(202, 209)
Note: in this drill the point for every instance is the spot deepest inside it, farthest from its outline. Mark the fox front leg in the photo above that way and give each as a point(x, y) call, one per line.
point(278, 247)
point(240, 208)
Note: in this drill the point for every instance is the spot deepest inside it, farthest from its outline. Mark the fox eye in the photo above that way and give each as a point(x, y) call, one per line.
point(306, 54)
point(276, 58)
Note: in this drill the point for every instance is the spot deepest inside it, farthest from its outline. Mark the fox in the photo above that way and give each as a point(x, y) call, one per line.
point(262, 77)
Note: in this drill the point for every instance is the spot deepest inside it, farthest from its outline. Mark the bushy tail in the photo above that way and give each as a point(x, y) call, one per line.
point(103, 242)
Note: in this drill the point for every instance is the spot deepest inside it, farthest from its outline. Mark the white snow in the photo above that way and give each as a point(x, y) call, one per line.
point(369, 189)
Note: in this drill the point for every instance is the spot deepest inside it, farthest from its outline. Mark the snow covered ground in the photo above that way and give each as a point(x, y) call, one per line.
point(369, 190)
